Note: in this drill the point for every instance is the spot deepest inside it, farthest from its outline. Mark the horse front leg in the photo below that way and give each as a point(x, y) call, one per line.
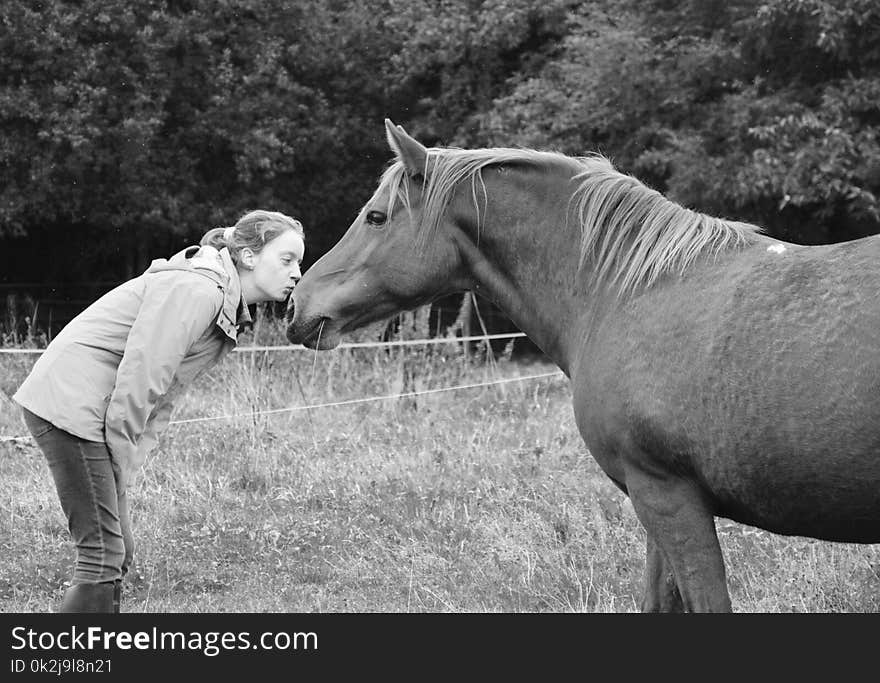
point(661, 591)
point(677, 518)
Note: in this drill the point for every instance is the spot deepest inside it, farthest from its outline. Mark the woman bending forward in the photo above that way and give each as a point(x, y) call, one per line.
point(103, 390)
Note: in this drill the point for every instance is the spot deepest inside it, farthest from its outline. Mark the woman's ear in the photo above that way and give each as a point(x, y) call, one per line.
point(247, 258)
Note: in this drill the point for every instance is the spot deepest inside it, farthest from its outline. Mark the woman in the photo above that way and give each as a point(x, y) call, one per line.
point(99, 396)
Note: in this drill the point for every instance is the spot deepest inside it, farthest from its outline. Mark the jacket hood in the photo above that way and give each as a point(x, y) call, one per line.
point(204, 260)
point(219, 267)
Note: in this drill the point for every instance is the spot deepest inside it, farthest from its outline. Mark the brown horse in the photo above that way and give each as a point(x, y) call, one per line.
point(715, 371)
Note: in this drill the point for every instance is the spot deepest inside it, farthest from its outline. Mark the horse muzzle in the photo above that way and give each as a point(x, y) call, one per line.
point(318, 333)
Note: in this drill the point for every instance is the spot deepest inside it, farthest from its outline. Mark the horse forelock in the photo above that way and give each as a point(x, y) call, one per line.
point(630, 233)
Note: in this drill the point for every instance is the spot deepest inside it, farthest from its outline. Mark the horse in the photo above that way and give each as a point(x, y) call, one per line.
point(715, 371)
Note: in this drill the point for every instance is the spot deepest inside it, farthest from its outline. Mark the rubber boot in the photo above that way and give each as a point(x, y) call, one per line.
point(85, 598)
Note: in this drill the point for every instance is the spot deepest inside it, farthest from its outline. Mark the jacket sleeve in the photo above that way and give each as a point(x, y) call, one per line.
point(172, 316)
point(156, 424)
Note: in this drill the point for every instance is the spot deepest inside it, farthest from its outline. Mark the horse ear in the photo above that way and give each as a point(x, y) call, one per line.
point(409, 150)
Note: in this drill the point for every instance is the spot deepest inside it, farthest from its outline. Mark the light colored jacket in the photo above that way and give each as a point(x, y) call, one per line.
point(113, 372)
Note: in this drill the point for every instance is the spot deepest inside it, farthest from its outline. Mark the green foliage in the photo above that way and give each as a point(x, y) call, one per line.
point(457, 55)
point(80, 107)
point(176, 117)
point(134, 127)
point(815, 146)
point(769, 115)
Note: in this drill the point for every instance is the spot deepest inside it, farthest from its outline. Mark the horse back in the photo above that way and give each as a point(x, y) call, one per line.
point(756, 374)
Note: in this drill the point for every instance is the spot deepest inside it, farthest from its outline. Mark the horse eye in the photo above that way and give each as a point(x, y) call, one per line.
point(376, 218)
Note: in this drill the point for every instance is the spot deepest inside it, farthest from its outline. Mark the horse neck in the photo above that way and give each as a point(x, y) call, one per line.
point(525, 255)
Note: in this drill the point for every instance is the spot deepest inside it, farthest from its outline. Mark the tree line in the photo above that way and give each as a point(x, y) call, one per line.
point(128, 128)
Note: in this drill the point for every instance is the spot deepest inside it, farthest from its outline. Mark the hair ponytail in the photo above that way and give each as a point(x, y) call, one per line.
point(214, 238)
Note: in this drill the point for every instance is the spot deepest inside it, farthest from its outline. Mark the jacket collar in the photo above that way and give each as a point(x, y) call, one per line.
point(234, 306)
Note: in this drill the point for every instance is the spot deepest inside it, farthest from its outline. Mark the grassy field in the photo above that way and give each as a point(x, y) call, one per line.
point(478, 500)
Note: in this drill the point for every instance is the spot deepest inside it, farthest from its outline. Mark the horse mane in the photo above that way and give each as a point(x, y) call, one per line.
point(634, 234)
point(446, 168)
point(631, 233)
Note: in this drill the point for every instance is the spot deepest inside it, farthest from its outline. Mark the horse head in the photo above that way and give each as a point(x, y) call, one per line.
point(383, 264)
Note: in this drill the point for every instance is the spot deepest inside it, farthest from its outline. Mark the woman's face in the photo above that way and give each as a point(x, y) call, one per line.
point(276, 268)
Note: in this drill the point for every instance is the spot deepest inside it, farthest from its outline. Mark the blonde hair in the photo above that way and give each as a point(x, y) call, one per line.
point(254, 230)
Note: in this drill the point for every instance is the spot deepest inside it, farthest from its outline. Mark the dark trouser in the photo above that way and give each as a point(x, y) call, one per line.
point(97, 513)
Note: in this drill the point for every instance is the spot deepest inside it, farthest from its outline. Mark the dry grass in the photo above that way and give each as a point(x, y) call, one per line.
point(482, 500)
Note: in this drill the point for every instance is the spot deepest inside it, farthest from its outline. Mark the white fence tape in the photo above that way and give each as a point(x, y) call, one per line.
point(348, 345)
point(353, 401)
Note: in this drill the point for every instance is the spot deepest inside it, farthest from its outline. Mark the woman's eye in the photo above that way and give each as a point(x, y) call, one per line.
point(376, 218)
